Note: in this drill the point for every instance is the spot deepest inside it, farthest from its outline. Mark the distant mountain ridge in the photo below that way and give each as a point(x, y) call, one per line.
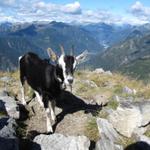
point(110, 46)
point(131, 56)
point(17, 39)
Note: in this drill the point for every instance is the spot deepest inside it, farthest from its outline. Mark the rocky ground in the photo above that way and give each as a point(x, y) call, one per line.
point(105, 111)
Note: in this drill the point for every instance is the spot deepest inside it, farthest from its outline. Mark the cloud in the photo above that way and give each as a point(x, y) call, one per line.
point(40, 10)
point(7, 2)
point(140, 11)
point(73, 8)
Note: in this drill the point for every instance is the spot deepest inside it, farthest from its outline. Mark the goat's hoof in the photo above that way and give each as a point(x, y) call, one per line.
point(49, 130)
point(24, 103)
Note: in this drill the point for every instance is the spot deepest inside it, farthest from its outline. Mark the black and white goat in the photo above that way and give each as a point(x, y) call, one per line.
point(46, 79)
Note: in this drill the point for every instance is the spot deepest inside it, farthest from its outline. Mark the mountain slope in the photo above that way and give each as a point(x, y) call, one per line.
point(131, 56)
point(16, 39)
point(13, 47)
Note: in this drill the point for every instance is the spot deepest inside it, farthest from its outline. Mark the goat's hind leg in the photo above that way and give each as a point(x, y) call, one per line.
point(22, 81)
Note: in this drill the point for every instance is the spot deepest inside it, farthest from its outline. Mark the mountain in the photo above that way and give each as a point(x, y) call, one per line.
point(109, 34)
point(113, 47)
point(18, 38)
point(132, 56)
point(13, 47)
point(55, 33)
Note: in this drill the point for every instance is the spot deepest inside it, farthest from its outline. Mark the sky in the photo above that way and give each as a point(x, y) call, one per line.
point(76, 11)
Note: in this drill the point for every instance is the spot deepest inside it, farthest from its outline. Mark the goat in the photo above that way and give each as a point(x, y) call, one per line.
point(47, 80)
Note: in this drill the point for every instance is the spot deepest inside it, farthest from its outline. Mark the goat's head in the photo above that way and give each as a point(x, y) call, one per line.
point(67, 63)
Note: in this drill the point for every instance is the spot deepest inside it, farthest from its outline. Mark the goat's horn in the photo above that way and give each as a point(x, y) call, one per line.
point(62, 50)
point(51, 54)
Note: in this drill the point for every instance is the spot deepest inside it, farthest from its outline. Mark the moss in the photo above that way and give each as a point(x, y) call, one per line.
point(147, 133)
point(3, 113)
point(113, 104)
point(103, 114)
point(91, 130)
point(126, 141)
point(21, 129)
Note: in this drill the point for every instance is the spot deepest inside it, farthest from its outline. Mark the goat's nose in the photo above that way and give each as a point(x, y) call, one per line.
point(70, 81)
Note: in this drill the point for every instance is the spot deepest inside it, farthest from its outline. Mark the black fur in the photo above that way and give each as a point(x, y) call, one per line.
point(69, 61)
point(41, 76)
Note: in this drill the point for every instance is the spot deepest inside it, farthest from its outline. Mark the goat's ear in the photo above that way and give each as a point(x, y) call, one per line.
point(82, 57)
point(52, 55)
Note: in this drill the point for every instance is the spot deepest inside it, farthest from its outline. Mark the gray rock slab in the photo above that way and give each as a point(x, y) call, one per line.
point(107, 131)
point(9, 104)
point(126, 119)
point(61, 142)
point(105, 144)
point(8, 139)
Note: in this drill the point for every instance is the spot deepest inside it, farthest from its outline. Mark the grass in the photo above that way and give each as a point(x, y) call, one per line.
point(3, 113)
point(21, 129)
point(109, 85)
point(91, 130)
point(147, 133)
point(113, 104)
point(126, 141)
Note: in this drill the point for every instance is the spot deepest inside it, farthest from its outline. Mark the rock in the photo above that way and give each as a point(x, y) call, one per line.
point(6, 79)
point(100, 99)
point(60, 142)
point(108, 135)
point(90, 83)
point(123, 99)
point(99, 70)
point(108, 73)
point(127, 90)
point(126, 119)
point(144, 138)
point(9, 104)
point(105, 144)
point(107, 131)
point(116, 97)
point(144, 107)
point(8, 139)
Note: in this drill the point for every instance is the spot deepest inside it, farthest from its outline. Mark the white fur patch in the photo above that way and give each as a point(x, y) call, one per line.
point(74, 64)
point(63, 65)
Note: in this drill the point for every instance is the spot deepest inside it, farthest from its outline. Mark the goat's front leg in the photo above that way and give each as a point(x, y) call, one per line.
point(52, 109)
point(48, 114)
point(39, 98)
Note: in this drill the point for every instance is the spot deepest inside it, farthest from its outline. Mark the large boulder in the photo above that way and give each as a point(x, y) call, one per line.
point(108, 135)
point(9, 104)
point(144, 107)
point(60, 142)
point(8, 139)
point(131, 117)
point(107, 131)
point(126, 119)
point(105, 144)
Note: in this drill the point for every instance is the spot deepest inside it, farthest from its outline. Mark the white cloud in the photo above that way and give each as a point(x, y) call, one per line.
point(140, 11)
point(73, 8)
point(7, 2)
point(39, 10)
